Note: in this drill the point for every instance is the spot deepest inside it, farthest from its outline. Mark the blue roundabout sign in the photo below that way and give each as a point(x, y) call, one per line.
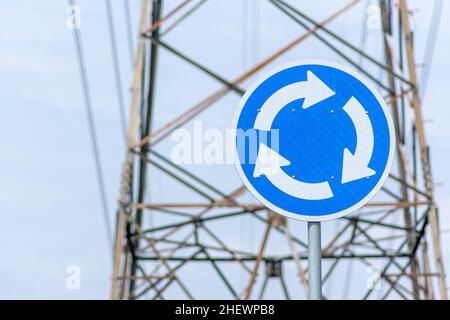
point(313, 140)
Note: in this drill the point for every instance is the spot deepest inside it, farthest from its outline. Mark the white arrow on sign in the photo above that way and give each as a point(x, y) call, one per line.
point(313, 90)
point(269, 163)
point(355, 166)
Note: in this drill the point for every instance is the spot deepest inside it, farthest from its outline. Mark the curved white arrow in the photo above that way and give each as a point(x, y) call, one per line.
point(355, 166)
point(269, 163)
point(313, 90)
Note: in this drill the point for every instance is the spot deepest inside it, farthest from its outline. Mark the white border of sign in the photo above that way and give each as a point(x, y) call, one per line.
point(330, 216)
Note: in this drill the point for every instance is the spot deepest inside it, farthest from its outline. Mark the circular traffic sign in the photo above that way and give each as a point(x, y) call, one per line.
point(313, 140)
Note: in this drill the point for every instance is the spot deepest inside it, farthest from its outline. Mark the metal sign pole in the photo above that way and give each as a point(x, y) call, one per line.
point(314, 261)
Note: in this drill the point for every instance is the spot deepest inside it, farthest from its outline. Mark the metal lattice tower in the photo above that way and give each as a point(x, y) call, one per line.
point(192, 247)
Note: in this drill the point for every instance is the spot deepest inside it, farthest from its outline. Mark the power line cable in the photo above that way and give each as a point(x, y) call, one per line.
point(363, 32)
point(118, 80)
point(430, 46)
point(362, 46)
point(92, 127)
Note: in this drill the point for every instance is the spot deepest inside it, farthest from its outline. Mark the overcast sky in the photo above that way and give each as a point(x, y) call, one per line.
point(50, 205)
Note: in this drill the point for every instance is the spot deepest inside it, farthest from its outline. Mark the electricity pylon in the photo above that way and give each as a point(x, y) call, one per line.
point(193, 247)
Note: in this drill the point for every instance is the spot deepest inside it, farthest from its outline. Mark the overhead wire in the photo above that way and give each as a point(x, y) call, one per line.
point(363, 32)
point(430, 47)
point(362, 46)
point(116, 68)
point(244, 224)
point(92, 128)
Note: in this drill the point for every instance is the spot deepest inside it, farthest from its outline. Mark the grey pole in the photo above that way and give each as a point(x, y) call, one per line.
point(314, 262)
